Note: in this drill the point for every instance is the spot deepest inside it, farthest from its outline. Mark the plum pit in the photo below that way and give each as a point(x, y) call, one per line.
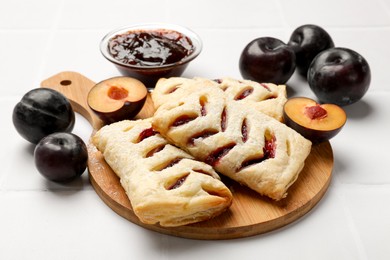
point(315, 112)
point(117, 93)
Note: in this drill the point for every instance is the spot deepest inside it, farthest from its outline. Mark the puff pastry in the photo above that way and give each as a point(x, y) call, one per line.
point(165, 185)
point(236, 139)
point(265, 97)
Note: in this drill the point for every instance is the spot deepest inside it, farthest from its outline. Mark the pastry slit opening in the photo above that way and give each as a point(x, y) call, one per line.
point(127, 129)
point(270, 96)
point(288, 146)
point(269, 148)
point(177, 182)
point(155, 150)
point(173, 88)
point(251, 161)
point(244, 93)
point(223, 120)
point(269, 151)
point(265, 86)
point(167, 164)
point(203, 103)
point(202, 135)
point(214, 157)
point(146, 133)
point(202, 172)
point(212, 192)
point(183, 119)
point(244, 130)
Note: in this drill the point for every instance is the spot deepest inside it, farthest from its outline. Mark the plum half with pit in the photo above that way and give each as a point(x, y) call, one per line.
point(316, 122)
point(61, 157)
point(42, 111)
point(117, 98)
point(340, 76)
point(267, 60)
point(307, 41)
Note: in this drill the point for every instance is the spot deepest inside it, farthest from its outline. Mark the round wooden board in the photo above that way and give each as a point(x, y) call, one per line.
point(250, 214)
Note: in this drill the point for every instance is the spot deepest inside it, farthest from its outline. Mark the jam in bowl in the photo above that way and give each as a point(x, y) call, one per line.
point(151, 51)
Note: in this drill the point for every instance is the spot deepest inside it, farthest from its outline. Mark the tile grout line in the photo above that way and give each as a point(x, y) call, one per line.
point(285, 25)
point(350, 222)
point(352, 227)
point(386, 7)
point(49, 45)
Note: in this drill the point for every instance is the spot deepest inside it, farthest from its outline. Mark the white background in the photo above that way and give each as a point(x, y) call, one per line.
point(44, 220)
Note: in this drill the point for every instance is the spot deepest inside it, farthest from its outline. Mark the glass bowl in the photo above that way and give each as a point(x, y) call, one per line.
point(150, 73)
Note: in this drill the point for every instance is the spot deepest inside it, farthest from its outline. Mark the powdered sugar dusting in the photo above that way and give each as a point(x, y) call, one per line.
point(93, 161)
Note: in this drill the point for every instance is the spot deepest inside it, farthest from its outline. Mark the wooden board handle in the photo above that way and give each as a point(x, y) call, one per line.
point(76, 88)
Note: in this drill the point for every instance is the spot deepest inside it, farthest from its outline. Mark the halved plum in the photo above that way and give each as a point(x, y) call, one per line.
point(316, 122)
point(117, 98)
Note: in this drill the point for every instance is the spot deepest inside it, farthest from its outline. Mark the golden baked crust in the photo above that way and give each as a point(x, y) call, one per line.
point(236, 139)
point(164, 184)
point(265, 97)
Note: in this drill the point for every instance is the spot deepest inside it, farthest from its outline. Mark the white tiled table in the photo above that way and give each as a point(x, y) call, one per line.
point(44, 220)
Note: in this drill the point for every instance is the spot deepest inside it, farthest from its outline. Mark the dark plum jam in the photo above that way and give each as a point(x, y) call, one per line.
point(150, 47)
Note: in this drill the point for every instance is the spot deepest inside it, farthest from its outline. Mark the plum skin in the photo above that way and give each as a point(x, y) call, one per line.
point(307, 41)
point(122, 90)
point(42, 111)
point(61, 157)
point(315, 136)
point(321, 124)
point(267, 59)
point(340, 76)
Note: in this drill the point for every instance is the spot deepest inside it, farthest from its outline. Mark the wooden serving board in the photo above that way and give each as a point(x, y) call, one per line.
point(250, 213)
